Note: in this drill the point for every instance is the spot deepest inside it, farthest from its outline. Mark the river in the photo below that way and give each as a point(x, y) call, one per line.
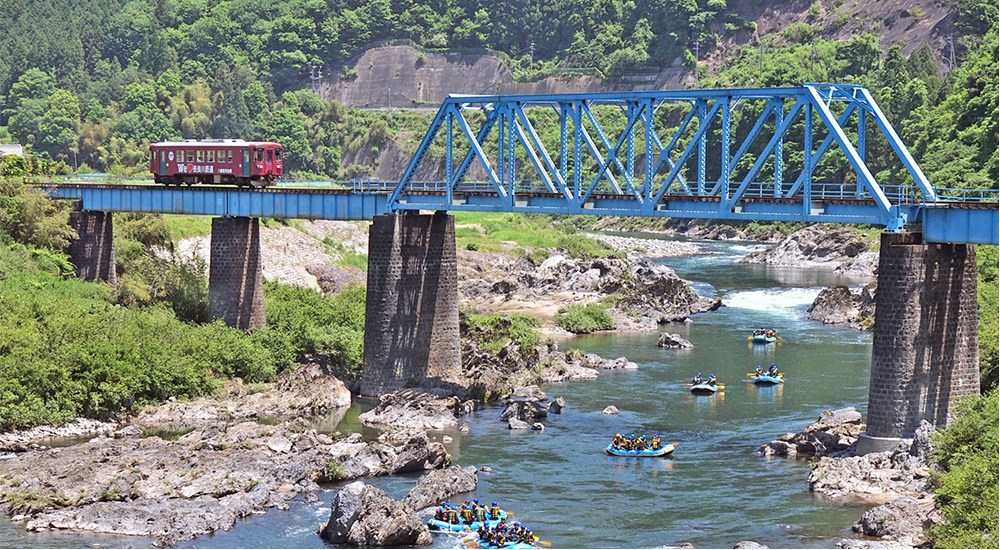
point(713, 492)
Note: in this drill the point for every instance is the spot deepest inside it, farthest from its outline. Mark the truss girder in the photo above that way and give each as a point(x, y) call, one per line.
point(596, 155)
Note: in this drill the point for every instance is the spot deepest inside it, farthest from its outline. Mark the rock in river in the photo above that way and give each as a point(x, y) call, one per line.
point(412, 409)
point(438, 486)
point(673, 341)
point(362, 515)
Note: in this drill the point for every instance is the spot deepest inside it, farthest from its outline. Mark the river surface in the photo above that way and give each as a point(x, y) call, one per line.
point(713, 492)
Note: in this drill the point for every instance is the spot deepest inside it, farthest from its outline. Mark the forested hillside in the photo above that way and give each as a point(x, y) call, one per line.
point(90, 83)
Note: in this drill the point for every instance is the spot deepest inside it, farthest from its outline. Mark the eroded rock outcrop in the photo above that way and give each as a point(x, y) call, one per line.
point(814, 246)
point(413, 409)
point(204, 481)
point(362, 515)
point(839, 305)
point(835, 431)
point(438, 486)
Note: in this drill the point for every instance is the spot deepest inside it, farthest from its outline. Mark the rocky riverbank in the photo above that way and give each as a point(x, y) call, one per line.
point(817, 246)
point(201, 482)
point(897, 480)
point(839, 305)
point(642, 294)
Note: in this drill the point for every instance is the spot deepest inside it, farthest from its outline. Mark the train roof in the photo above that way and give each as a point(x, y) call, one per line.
point(214, 143)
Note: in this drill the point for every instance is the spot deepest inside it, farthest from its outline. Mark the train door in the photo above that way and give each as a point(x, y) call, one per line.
point(163, 161)
point(269, 163)
point(246, 163)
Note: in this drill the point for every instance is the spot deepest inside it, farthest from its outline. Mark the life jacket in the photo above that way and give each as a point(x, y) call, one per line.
point(467, 515)
point(495, 512)
point(452, 515)
point(480, 513)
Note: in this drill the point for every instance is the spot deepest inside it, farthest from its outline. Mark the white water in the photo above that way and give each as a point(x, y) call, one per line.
point(788, 300)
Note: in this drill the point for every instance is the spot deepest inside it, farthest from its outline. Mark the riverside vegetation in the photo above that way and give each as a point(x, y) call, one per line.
point(88, 86)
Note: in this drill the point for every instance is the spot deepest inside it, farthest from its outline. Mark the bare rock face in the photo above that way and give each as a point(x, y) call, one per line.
point(557, 406)
point(412, 409)
point(362, 515)
point(526, 411)
point(834, 432)
point(515, 424)
point(438, 486)
point(673, 341)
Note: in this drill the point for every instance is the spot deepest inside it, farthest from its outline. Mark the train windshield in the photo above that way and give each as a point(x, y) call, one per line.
point(258, 155)
point(277, 154)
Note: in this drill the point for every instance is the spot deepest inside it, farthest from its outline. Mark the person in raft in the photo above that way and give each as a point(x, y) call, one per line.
point(655, 444)
point(760, 371)
point(773, 371)
point(697, 379)
point(712, 381)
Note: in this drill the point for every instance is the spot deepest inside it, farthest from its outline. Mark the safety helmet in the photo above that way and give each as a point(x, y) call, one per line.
point(711, 375)
point(494, 504)
point(476, 500)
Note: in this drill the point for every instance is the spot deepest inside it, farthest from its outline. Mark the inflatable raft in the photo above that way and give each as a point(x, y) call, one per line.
point(461, 527)
point(765, 379)
point(510, 545)
point(662, 451)
point(704, 388)
point(763, 339)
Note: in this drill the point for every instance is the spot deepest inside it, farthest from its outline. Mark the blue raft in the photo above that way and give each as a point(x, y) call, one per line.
point(704, 388)
point(767, 379)
point(511, 545)
point(763, 339)
point(461, 527)
point(662, 451)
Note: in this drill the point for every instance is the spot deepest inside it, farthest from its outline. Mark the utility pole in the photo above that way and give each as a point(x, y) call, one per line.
point(531, 51)
point(315, 76)
point(761, 60)
point(388, 97)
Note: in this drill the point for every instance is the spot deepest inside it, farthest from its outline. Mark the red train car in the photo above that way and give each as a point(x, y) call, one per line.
point(218, 161)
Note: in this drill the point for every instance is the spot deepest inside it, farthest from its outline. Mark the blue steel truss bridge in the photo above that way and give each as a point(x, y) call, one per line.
point(794, 154)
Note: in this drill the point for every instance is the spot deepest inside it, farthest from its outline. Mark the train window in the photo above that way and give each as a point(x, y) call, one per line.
point(163, 155)
point(270, 155)
point(222, 156)
point(211, 155)
point(201, 155)
point(277, 154)
point(229, 156)
point(189, 155)
point(180, 155)
point(258, 155)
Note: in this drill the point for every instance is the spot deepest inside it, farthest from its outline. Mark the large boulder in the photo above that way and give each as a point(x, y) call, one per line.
point(902, 520)
point(438, 486)
point(839, 305)
point(673, 341)
point(362, 515)
point(834, 432)
point(526, 411)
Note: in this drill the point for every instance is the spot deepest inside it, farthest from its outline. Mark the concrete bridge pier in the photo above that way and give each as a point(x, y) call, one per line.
point(926, 338)
point(235, 284)
point(93, 252)
point(411, 313)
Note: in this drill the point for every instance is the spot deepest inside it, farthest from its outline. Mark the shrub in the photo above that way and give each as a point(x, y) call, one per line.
point(584, 319)
point(967, 491)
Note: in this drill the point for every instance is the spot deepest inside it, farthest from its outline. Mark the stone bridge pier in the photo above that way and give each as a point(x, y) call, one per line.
point(411, 313)
point(926, 337)
point(93, 252)
point(235, 283)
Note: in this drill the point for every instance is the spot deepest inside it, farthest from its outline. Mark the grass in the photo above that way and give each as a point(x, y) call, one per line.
point(185, 227)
